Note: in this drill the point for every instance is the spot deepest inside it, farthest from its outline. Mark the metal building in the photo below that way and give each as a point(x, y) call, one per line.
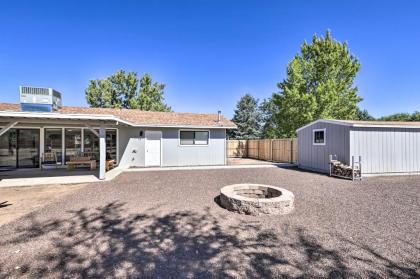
point(385, 147)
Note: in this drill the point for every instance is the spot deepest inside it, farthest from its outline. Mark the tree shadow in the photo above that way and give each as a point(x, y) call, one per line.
point(107, 242)
point(4, 204)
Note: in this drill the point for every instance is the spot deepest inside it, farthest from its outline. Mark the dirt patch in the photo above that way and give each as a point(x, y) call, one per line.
point(18, 201)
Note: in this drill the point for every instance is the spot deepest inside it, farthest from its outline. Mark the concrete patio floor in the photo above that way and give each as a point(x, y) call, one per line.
point(30, 177)
point(168, 224)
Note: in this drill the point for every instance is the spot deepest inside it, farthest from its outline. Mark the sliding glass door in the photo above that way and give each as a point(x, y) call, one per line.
point(73, 139)
point(28, 148)
point(91, 144)
point(19, 148)
point(8, 150)
point(111, 144)
point(53, 142)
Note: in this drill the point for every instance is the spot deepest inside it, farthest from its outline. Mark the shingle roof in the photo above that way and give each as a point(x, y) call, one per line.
point(144, 118)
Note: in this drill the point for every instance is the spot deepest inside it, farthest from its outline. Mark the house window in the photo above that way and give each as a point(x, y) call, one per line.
point(194, 137)
point(319, 137)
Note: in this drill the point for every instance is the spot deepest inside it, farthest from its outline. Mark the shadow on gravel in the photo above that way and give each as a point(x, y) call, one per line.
point(106, 242)
point(5, 204)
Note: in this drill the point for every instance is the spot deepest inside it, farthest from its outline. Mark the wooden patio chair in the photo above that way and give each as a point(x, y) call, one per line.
point(49, 159)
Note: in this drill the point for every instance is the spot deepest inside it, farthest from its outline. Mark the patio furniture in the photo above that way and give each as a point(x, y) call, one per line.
point(49, 159)
point(92, 155)
point(77, 161)
point(110, 163)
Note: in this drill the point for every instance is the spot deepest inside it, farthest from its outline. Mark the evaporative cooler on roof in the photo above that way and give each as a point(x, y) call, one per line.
point(39, 99)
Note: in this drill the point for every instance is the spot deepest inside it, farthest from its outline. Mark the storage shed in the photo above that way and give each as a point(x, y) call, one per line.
point(385, 147)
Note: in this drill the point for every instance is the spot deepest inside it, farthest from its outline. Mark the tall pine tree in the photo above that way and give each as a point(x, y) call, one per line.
point(269, 129)
point(248, 119)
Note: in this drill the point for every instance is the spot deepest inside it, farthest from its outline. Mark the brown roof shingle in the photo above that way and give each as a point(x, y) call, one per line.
point(144, 118)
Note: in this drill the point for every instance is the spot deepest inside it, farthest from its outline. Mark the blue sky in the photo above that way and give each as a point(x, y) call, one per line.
point(208, 53)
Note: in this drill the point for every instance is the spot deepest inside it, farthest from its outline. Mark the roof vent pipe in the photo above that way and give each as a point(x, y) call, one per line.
point(219, 113)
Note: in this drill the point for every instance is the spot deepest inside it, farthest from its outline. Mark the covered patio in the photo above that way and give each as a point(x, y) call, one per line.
point(36, 176)
point(46, 145)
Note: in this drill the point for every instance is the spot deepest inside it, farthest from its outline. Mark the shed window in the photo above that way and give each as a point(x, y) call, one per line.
point(319, 137)
point(194, 137)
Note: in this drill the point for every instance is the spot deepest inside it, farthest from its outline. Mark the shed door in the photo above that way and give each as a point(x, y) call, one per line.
point(152, 148)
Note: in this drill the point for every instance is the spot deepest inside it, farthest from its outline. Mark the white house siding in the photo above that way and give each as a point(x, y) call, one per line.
point(386, 150)
point(132, 148)
point(174, 154)
point(316, 157)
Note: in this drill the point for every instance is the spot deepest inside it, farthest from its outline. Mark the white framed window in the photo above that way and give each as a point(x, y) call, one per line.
point(194, 137)
point(319, 136)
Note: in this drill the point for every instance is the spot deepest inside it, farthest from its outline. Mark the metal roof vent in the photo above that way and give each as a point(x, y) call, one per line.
point(39, 99)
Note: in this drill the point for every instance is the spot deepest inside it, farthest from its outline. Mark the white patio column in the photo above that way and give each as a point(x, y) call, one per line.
point(41, 145)
point(63, 146)
point(102, 152)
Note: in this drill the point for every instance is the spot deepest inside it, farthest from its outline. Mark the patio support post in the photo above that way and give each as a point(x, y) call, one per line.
point(102, 152)
point(63, 146)
point(41, 145)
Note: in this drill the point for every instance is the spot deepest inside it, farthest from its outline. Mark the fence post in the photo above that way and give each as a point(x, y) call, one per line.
point(271, 150)
point(291, 151)
point(258, 149)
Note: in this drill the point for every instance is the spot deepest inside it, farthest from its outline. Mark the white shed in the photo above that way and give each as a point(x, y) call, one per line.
point(385, 147)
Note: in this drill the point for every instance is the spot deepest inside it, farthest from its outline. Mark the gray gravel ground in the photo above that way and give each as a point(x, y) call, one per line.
point(167, 224)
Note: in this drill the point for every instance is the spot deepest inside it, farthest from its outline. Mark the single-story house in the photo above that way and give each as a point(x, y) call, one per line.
point(132, 138)
point(385, 147)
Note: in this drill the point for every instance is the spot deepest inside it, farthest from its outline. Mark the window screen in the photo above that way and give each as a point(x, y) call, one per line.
point(319, 137)
point(194, 137)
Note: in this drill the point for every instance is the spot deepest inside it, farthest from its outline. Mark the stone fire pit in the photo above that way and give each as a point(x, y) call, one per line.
point(256, 199)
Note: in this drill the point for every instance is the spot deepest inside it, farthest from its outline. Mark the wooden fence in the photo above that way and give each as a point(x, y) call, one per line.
point(275, 150)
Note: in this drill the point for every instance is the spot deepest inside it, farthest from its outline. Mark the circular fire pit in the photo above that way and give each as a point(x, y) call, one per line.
point(256, 199)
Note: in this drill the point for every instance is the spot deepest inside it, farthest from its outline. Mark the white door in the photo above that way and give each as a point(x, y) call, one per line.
point(152, 148)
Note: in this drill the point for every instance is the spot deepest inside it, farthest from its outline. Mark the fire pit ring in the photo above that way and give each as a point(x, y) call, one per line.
point(257, 199)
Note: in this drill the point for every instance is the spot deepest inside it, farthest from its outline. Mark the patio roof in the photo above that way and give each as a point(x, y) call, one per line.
point(131, 117)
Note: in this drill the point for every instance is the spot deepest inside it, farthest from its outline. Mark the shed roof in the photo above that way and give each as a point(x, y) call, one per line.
point(360, 123)
point(133, 117)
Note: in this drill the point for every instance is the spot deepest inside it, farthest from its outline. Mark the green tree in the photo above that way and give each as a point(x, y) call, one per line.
point(269, 128)
point(402, 117)
point(124, 90)
point(319, 84)
point(363, 115)
point(248, 119)
point(151, 95)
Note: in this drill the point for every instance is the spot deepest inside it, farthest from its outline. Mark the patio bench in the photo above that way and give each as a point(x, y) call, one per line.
point(81, 161)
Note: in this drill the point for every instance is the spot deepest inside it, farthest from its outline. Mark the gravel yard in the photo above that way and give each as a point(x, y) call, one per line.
point(168, 224)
